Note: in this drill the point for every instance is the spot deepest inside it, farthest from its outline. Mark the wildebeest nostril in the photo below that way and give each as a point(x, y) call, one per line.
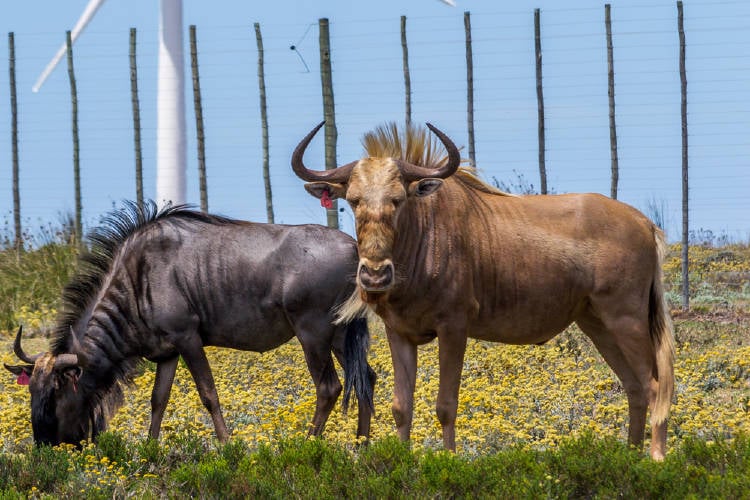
point(376, 279)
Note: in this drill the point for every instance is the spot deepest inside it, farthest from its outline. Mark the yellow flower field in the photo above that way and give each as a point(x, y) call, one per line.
point(509, 394)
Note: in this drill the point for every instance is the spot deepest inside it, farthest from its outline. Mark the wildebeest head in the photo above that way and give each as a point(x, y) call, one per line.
point(377, 188)
point(60, 412)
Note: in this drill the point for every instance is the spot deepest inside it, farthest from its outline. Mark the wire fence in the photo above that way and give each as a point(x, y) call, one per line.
point(368, 84)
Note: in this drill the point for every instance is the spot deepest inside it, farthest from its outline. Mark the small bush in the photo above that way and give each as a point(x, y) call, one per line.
point(207, 479)
point(150, 452)
point(588, 467)
point(114, 447)
point(44, 469)
point(445, 474)
point(184, 448)
point(579, 467)
point(388, 468)
point(9, 468)
point(234, 452)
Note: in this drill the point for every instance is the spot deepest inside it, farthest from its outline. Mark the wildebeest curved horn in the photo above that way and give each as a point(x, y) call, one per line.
point(19, 350)
point(66, 360)
point(340, 174)
point(413, 172)
point(74, 345)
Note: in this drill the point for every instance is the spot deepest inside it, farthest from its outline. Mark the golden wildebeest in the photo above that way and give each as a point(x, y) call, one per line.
point(444, 255)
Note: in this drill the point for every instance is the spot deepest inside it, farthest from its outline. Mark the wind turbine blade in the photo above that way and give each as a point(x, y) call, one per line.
point(88, 14)
point(452, 3)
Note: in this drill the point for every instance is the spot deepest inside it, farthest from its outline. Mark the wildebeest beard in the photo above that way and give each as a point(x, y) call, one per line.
point(44, 422)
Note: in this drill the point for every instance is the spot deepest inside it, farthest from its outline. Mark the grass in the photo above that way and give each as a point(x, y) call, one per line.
point(581, 467)
point(31, 281)
point(533, 420)
point(719, 278)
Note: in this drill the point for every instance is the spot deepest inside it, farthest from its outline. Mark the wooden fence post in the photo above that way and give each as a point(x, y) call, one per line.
point(540, 101)
point(200, 136)
point(407, 76)
point(329, 112)
point(136, 120)
point(685, 191)
point(18, 236)
point(264, 125)
point(611, 95)
point(78, 227)
point(470, 89)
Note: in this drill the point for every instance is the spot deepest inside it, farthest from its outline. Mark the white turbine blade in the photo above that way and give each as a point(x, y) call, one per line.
point(452, 3)
point(88, 14)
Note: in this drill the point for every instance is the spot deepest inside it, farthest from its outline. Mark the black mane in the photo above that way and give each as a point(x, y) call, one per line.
point(97, 256)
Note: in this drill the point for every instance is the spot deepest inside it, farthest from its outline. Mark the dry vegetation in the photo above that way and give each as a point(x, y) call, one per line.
point(512, 397)
point(510, 394)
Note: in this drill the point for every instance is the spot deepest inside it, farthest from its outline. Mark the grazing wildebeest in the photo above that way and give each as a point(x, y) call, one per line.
point(164, 284)
point(443, 255)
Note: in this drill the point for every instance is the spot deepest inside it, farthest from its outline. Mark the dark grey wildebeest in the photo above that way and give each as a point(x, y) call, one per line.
point(160, 284)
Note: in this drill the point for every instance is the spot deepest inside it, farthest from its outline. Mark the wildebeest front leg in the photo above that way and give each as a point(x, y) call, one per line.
point(165, 372)
point(451, 349)
point(404, 358)
point(195, 358)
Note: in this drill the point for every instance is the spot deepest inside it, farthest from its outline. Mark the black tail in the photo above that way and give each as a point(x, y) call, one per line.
point(357, 372)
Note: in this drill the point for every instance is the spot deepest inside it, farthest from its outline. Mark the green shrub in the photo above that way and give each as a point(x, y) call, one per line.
point(208, 479)
point(445, 474)
point(234, 452)
point(149, 452)
point(516, 471)
point(185, 447)
point(588, 467)
point(580, 467)
point(9, 468)
point(388, 468)
point(44, 468)
point(114, 447)
point(11, 494)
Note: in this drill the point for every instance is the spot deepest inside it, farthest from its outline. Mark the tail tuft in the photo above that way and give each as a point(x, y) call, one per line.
point(351, 308)
point(357, 372)
point(662, 336)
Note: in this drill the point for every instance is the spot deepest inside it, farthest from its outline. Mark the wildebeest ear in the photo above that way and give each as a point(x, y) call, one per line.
point(23, 372)
point(425, 187)
point(334, 189)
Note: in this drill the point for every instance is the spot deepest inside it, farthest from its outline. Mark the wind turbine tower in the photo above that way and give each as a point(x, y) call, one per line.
point(171, 142)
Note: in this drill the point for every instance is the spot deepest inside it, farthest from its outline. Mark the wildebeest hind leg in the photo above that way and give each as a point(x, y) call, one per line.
point(630, 362)
point(195, 358)
point(327, 383)
point(165, 372)
point(451, 350)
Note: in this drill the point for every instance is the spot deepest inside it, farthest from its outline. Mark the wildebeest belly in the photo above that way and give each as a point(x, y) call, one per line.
point(529, 319)
point(254, 330)
point(519, 332)
point(528, 302)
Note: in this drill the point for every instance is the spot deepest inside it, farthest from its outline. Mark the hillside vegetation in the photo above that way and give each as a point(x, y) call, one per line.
point(533, 420)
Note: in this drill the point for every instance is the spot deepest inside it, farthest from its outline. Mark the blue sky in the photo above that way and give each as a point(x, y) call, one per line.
point(368, 88)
